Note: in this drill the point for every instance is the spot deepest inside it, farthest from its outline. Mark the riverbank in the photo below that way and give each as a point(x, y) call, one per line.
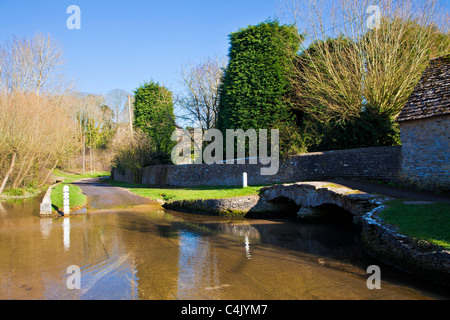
point(23, 195)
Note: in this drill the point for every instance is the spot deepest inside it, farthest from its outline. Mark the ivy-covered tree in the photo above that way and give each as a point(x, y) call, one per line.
point(153, 114)
point(255, 89)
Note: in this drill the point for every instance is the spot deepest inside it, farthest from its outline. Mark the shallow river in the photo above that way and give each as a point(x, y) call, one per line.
point(149, 253)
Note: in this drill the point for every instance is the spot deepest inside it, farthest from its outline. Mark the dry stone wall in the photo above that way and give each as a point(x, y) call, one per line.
point(379, 163)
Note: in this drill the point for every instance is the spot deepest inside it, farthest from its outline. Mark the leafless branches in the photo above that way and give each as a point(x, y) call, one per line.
point(36, 132)
point(133, 151)
point(117, 100)
point(200, 100)
point(35, 135)
point(346, 66)
point(32, 65)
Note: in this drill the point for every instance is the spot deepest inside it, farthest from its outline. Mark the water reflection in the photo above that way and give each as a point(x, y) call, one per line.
point(247, 248)
point(2, 210)
point(66, 234)
point(46, 227)
point(157, 254)
point(197, 266)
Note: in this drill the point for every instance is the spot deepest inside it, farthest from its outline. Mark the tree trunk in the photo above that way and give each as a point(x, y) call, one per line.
point(90, 148)
point(84, 152)
point(23, 175)
point(49, 173)
point(11, 168)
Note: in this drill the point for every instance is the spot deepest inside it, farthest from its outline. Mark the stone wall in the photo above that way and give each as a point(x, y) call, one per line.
point(426, 153)
point(380, 163)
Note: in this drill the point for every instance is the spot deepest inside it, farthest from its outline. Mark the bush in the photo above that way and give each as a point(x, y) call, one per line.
point(369, 130)
point(153, 114)
point(134, 151)
point(256, 85)
point(14, 192)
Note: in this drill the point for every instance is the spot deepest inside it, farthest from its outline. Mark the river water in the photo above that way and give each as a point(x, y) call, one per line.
point(146, 252)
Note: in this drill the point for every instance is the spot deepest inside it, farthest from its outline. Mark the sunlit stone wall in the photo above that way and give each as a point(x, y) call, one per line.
point(426, 153)
point(380, 163)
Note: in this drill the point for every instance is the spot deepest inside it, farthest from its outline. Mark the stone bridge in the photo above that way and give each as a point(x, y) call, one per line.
point(307, 199)
point(310, 196)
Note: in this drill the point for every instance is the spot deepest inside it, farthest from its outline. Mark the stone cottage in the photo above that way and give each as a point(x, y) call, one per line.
point(425, 130)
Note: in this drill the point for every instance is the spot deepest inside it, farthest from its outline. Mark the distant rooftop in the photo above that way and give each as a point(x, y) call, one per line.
point(431, 96)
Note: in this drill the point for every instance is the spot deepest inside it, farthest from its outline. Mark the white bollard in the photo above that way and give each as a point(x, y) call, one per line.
point(66, 200)
point(244, 180)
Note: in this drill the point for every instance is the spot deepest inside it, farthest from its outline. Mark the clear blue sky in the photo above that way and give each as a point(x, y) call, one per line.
point(121, 44)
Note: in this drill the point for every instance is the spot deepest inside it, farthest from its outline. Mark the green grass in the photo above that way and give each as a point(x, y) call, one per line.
point(195, 193)
point(430, 222)
point(76, 200)
point(20, 193)
point(71, 177)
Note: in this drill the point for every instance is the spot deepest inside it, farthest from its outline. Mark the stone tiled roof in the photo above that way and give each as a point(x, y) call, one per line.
point(431, 96)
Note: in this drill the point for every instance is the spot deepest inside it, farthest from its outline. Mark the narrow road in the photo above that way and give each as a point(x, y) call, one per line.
point(393, 192)
point(105, 196)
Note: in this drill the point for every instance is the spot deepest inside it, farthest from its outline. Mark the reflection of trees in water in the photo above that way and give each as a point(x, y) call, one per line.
point(197, 265)
point(335, 239)
point(2, 210)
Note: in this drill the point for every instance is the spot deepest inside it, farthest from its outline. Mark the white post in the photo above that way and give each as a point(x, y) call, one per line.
point(244, 180)
point(66, 200)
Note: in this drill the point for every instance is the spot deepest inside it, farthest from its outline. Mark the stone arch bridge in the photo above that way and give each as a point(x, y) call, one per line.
point(305, 198)
point(309, 196)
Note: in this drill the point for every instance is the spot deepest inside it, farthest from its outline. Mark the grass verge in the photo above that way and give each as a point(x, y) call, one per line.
point(430, 222)
point(77, 199)
point(72, 177)
point(194, 193)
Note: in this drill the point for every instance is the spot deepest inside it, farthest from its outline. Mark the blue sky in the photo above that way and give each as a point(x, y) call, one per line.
point(121, 44)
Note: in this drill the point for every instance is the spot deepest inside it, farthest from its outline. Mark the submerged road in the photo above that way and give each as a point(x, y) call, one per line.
point(105, 196)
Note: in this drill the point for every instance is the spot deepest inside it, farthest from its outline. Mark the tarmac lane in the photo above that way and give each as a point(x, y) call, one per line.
point(101, 195)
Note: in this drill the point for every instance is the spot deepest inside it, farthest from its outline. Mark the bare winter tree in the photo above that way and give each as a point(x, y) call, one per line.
point(32, 64)
point(198, 104)
point(117, 100)
point(86, 110)
point(36, 132)
point(30, 145)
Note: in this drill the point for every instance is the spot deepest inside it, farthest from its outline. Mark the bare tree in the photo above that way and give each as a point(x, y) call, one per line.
point(117, 100)
point(133, 151)
point(30, 145)
point(32, 65)
point(86, 110)
point(46, 60)
point(198, 104)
